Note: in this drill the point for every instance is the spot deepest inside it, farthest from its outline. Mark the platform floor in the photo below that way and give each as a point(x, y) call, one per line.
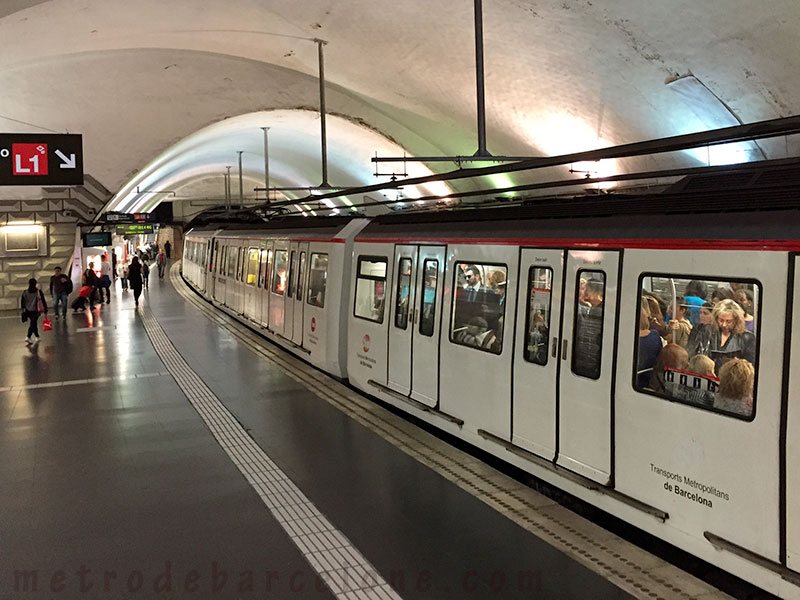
point(162, 452)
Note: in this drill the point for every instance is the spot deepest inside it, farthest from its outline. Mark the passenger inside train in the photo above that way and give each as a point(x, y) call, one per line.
point(693, 350)
point(478, 308)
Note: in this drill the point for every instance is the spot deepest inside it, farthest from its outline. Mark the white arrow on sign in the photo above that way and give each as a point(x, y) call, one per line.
point(69, 163)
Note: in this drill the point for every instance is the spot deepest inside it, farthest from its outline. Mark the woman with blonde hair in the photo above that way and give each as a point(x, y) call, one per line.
point(731, 339)
point(735, 394)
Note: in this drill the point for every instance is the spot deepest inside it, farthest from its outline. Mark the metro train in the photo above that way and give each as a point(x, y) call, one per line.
point(523, 332)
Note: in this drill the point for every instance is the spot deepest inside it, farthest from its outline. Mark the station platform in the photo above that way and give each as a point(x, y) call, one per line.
point(170, 452)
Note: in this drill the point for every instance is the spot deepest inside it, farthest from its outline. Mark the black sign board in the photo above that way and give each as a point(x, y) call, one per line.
point(99, 238)
point(134, 229)
point(41, 159)
point(120, 217)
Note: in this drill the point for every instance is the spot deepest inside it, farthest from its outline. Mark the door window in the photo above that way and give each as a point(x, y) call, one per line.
point(292, 274)
point(403, 293)
point(537, 320)
point(587, 337)
point(478, 306)
point(279, 273)
point(317, 280)
point(370, 288)
point(430, 277)
point(252, 266)
point(301, 277)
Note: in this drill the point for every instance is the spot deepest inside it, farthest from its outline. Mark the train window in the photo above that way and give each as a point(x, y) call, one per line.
point(231, 261)
point(280, 272)
point(370, 288)
point(427, 311)
point(697, 341)
point(403, 293)
point(301, 277)
point(587, 335)
point(537, 320)
point(479, 293)
point(317, 279)
point(268, 271)
point(262, 267)
point(252, 266)
point(292, 274)
point(241, 263)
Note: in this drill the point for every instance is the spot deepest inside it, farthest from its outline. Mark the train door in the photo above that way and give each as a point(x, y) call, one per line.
point(291, 284)
point(277, 287)
point(221, 272)
point(251, 291)
point(586, 365)
point(300, 283)
point(792, 501)
point(208, 268)
point(536, 361)
point(414, 325)
point(266, 271)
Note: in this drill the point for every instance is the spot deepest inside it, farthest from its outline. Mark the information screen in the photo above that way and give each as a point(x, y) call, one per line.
point(100, 238)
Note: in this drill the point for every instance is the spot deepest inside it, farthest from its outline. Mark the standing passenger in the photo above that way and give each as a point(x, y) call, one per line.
point(107, 277)
point(167, 248)
point(33, 304)
point(135, 278)
point(145, 274)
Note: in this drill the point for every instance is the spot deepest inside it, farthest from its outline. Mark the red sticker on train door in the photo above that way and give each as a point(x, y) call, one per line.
point(313, 324)
point(365, 343)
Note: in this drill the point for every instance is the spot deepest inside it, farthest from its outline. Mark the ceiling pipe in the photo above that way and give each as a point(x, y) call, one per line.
point(752, 131)
point(479, 80)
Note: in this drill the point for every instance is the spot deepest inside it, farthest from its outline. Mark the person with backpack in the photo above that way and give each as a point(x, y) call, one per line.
point(33, 304)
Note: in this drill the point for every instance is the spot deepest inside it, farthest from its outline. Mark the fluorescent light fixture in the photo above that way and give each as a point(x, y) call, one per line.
point(22, 229)
point(713, 113)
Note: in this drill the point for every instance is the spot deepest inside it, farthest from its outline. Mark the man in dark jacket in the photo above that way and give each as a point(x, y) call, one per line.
point(60, 289)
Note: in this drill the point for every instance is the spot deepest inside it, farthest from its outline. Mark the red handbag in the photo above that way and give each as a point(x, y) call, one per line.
point(47, 325)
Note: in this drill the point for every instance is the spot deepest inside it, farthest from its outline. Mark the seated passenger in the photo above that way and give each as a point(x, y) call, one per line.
point(702, 365)
point(538, 338)
point(672, 356)
point(700, 336)
point(649, 348)
point(473, 333)
point(730, 339)
point(736, 379)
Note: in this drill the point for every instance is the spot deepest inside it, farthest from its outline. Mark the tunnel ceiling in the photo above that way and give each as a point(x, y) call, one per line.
point(139, 78)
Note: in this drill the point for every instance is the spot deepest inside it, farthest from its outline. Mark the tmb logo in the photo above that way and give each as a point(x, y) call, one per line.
point(313, 324)
point(365, 343)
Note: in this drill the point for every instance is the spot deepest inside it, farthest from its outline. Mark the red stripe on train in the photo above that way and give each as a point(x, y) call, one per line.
point(639, 243)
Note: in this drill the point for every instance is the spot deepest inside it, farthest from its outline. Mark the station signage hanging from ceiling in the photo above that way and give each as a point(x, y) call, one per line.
point(134, 229)
point(120, 217)
point(41, 159)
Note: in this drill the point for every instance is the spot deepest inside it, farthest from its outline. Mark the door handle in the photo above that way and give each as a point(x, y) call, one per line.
point(564, 350)
point(555, 347)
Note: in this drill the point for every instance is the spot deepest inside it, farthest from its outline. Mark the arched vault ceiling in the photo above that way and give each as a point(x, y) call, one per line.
point(137, 76)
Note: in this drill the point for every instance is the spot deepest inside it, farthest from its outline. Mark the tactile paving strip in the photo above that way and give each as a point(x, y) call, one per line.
point(339, 564)
point(632, 569)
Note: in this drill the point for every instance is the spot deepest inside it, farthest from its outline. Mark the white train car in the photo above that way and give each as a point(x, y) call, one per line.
point(525, 337)
point(544, 341)
point(290, 283)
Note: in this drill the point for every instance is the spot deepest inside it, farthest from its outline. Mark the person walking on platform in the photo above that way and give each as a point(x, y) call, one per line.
point(161, 261)
point(60, 289)
point(167, 248)
point(145, 274)
point(33, 304)
point(122, 273)
point(106, 279)
point(91, 278)
point(135, 278)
